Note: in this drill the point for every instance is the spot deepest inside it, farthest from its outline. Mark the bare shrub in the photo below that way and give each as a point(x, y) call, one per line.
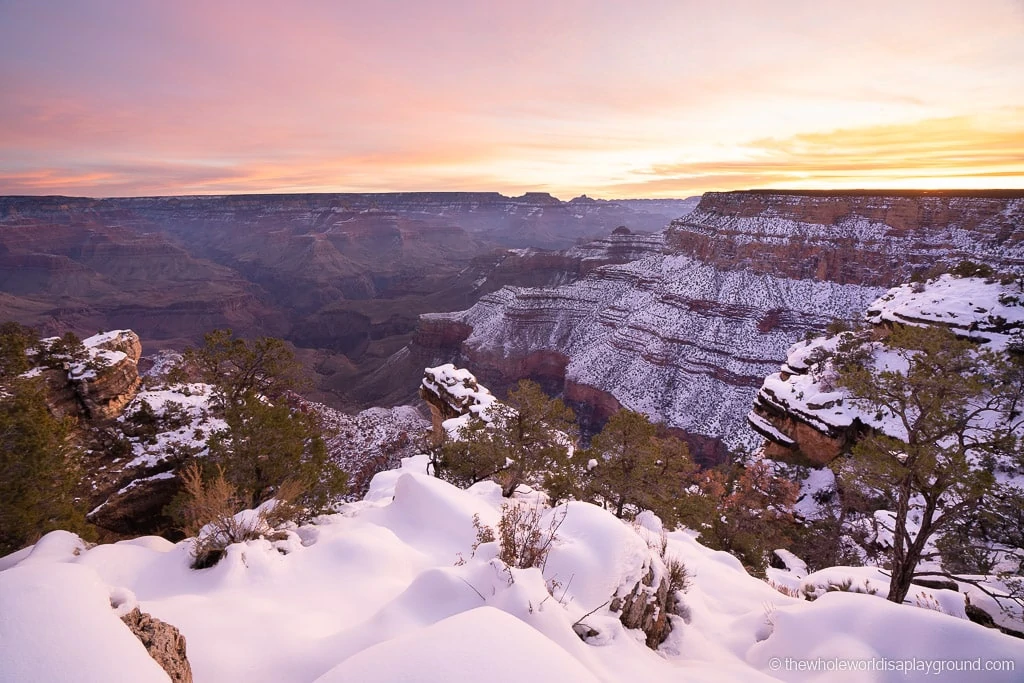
point(209, 513)
point(484, 533)
point(786, 590)
point(523, 541)
point(206, 501)
point(678, 575)
point(287, 508)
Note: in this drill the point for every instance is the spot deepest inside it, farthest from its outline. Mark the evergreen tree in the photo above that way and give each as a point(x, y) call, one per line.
point(933, 392)
point(529, 436)
point(267, 444)
point(637, 468)
point(39, 468)
point(237, 367)
point(15, 341)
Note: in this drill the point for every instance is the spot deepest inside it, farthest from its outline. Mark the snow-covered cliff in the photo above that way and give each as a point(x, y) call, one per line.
point(687, 333)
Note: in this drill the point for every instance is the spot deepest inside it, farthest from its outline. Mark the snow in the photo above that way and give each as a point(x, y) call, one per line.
point(818, 481)
point(845, 626)
point(667, 335)
point(102, 338)
point(370, 441)
point(459, 388)
point(156, 477)
point(794, 565)
point(192, 401)
point(480, 643)
point(765, 427)
point(57, 625)
point(98, 358)
point(980, 309)
point(378, 592)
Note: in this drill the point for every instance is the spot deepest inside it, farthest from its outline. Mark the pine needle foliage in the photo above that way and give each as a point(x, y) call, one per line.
point(40, 466)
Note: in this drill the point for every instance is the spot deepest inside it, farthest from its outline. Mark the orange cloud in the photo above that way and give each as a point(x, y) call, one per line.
point(650, 98)
point(940, 153)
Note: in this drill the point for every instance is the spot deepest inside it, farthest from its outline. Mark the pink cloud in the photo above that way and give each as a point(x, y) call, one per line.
point(144, 97)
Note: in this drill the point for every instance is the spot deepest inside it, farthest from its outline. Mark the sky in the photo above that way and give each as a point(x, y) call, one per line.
point(648, 98)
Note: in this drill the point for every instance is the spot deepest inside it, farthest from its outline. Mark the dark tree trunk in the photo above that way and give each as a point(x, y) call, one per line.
point(906, 557)
point(902, 569)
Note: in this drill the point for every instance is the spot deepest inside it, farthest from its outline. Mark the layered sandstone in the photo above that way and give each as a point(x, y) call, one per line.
point(98, 384)
point(342, 276)
point(687, 334)
point(864, 238)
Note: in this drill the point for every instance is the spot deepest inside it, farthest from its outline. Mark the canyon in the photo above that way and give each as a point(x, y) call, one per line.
point(343, 277)
point(687, 330)
point(675, 308)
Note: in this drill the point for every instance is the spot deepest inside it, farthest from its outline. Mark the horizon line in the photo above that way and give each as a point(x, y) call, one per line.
point(993, 191)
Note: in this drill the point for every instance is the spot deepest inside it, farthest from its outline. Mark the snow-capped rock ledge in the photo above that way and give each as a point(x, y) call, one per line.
point(454, 397)
point(983, 310)
point(800, 414)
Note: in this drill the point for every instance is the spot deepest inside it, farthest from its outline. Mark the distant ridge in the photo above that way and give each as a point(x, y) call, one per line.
point(993, 194)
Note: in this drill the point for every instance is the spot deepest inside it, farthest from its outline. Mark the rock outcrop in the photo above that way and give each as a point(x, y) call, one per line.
point(163, 642)
point(687, 332)
point(648, 607)
point(454, 397)
point(137, 508)
point(101, 383)
point(106, 391)
point(807, 420)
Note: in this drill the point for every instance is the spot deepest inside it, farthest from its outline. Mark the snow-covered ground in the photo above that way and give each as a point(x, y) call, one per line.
point(378, 593)
point(189, 405)
point(980, 309)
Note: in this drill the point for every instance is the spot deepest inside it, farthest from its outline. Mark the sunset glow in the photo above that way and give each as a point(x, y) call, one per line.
point(649, 98)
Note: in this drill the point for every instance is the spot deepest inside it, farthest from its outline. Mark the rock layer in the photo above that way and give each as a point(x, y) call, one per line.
point(342, 276)
point(807, 420)
point(102, 384)
point(686, 332)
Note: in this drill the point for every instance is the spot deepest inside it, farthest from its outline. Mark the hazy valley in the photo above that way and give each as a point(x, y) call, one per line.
point(343, 277)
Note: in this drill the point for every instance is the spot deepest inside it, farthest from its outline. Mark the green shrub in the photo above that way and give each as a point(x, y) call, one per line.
point(39, 469)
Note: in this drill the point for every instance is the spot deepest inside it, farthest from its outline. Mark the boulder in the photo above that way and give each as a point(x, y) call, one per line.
point(647, 607)
point(105, 393)
point(163, 642)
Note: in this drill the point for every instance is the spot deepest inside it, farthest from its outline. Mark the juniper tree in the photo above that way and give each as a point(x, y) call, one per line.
point(40, 467)
point(529, 436)
point(15, 341)
point(267, 444)
point(236, 367)
point(940, 399)
point(637, 468)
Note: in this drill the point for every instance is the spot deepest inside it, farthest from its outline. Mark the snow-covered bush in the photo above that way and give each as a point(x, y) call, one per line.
point(209, 509)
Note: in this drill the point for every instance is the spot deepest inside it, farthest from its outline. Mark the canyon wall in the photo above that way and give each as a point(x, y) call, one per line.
point(687, 331)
